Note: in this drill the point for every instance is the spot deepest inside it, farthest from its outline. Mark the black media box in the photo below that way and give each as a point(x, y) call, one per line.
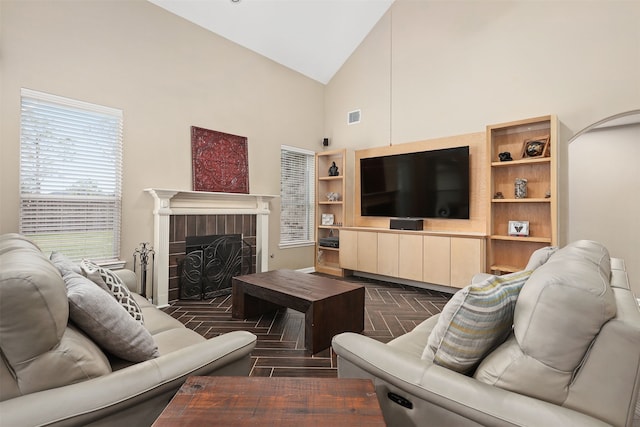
point(406, 224)
point(329, 242)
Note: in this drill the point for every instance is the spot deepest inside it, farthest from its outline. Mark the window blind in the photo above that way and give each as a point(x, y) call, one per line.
point(70, 176)
point(297, 196)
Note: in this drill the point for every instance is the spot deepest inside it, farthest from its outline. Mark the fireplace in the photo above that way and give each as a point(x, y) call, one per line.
point(211, 262)
point(203, 213)
point(197, 261)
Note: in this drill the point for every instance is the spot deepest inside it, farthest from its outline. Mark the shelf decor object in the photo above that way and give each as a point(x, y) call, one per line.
point(520, 190)
point(334, 170)
point(333, 196)
point(535, 147)
point(327, 219)
point(220, 161)
point(505, 156)
point(518, 228)
point(524, 188)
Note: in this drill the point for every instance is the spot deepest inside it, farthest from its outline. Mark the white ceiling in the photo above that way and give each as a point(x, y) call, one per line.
point(313, 37)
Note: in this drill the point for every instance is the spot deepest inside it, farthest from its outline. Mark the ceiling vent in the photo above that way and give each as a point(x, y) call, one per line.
point(353, 117)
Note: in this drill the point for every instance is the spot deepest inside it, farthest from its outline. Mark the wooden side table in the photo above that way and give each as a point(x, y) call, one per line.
point(265, 401)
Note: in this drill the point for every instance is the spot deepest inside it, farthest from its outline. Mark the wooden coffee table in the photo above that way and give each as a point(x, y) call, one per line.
point(330, 306)
point(256, 401)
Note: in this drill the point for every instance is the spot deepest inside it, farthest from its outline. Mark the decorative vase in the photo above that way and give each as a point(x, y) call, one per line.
point(521, 188)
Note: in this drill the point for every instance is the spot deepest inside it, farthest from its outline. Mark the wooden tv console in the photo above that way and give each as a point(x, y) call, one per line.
point(447, 252)
point(440, 258)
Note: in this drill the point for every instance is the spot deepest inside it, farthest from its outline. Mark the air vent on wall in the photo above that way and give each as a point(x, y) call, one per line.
point(353, 117)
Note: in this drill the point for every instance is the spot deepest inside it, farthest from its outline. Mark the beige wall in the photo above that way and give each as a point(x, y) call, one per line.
point(428, 69)
point(166, 75)
point(605, 206)
point(434, 68)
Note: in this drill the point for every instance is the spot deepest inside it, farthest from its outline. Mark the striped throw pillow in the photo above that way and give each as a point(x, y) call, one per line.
point(478, 318)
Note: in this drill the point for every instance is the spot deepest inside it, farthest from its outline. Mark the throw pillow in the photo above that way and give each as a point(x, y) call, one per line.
point(540, 256)
point(63, 263)
point(110, 282)
point(100, 316)
point(478, 318)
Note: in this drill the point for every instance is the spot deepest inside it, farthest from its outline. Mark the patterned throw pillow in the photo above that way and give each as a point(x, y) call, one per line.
point(107, 323)
point(110, 282)
point(475, 320)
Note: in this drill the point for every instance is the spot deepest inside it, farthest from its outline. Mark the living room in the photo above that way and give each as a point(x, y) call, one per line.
point(427, 70)
point(171, 74)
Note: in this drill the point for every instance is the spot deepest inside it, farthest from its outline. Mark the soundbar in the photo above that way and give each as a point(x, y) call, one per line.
point(406, 224)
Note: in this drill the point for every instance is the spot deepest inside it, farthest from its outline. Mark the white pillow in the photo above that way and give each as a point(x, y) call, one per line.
point(64, 264)
point(540, 256)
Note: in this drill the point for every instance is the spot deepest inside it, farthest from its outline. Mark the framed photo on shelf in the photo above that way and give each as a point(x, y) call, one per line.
point(327, 219)
point(535, 147)
point(519, 228)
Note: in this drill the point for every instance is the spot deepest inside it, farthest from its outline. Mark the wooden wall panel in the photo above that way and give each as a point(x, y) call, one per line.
point(478, 185)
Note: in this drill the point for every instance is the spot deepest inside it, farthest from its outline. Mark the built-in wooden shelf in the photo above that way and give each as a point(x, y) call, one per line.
point(327, 258)
point(522, 238)
point(536, 200)
point(507, 253)
point(526, 161)
point(504, 268)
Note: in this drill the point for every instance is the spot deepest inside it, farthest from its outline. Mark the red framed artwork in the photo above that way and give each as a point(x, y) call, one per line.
point(220, 161)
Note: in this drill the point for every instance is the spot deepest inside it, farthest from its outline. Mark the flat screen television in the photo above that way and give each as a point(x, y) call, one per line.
point(425, 184)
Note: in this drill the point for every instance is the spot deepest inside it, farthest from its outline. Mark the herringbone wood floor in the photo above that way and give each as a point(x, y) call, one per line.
point(391, 310)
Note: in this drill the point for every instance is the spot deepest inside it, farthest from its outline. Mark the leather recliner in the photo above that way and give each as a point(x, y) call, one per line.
point(52, 373)
point(572, 358)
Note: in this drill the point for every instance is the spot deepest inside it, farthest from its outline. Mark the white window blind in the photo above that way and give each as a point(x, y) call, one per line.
point(70, 176)
point(297, 196)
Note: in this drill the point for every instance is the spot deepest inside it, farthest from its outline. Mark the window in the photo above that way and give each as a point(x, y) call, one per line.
point(297, 196)
point(70, 176)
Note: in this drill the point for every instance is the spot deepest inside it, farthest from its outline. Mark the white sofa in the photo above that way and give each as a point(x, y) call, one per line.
point(572, 357)
point(53, 373)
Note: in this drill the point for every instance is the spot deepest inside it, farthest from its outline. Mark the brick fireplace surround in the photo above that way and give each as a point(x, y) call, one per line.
point(180, 213)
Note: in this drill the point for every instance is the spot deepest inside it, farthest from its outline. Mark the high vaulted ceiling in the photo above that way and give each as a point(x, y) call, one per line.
point(313, 37)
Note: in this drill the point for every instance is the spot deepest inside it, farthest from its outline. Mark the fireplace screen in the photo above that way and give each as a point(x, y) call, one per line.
point(210, 263)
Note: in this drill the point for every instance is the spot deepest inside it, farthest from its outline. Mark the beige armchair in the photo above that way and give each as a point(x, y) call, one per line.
point(571, 359)
point(58, 371)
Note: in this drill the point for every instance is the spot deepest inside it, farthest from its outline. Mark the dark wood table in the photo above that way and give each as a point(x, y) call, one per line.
point(330, 306)
point(265, 401)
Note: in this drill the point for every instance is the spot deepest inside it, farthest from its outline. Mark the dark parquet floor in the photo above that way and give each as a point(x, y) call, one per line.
point(391, 310)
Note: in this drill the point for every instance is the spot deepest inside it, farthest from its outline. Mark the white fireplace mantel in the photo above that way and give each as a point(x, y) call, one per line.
point(181, 202)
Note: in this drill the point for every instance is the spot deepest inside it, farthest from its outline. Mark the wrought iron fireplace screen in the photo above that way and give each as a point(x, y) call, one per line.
point(211, 262)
